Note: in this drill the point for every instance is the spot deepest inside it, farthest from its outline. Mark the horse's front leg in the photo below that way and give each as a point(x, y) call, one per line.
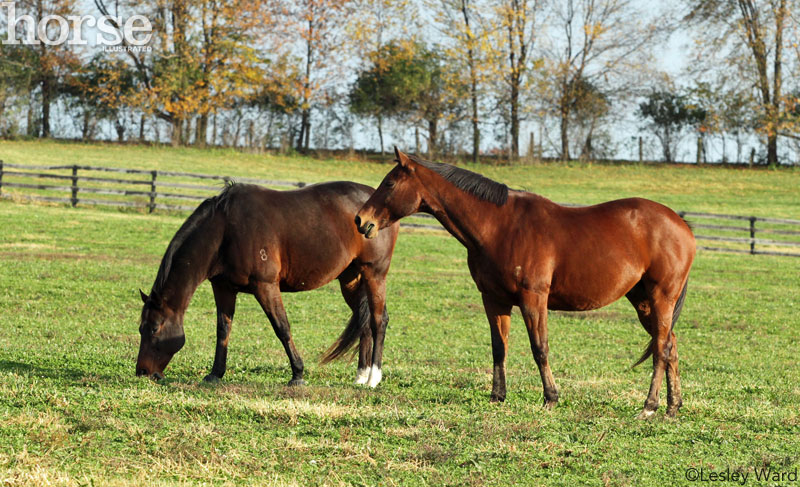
point(269, 297)
point(499, 316)
point(225, 298)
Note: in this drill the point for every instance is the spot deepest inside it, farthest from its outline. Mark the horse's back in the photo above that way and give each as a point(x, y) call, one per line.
point(304, 238)
point(597, 253)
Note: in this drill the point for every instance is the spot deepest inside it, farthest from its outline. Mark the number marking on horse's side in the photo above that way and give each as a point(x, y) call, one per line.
point(263, 254)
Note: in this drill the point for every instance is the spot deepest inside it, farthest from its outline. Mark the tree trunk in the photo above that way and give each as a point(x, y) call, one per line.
point(201, 134)
point(476, 133)
point(515, 120)
point(142, 121)
point(85, 126)
point(772, 149)
point(380, 132)
point(564, 133)
point(177, 132)
point(306, 145)
point(46, 99)
point(432, 137)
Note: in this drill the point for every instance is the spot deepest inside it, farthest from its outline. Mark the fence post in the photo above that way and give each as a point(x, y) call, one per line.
point(74, 185)
point(752, 235)
point(154, 174)
point(1, 176)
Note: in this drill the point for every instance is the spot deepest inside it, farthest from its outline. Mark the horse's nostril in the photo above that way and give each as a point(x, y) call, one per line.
point(358, 221)
point(140, 372)
point(157, 376)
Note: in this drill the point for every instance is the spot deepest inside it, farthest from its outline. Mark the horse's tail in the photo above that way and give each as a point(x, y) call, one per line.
point(352, 332)
point(676, 313)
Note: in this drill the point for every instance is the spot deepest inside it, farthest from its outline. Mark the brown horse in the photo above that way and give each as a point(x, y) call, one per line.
point(262, 242)
point(524, 250)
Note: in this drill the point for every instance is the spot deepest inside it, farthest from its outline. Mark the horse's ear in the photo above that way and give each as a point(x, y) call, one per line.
point(401, 158)
point(143, 295)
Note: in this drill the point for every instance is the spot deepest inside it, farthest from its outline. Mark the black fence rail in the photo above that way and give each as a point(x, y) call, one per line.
point(169, 190)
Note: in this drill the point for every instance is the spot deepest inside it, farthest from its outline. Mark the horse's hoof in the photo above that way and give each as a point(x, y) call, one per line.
point(672, 412)
point(211, 379)
point(296, 382)
point(646, 414)
point(362, 376)
point(549, 405)
point(496, 398)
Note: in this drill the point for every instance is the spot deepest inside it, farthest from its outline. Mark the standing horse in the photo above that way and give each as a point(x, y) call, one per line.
point(262, 242)
point(524, 250)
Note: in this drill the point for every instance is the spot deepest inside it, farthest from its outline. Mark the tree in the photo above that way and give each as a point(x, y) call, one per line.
point(515, 27)
point(405, 80)
point(600, 42)
point(48, 64)
point(752, 37)
point(729, 111)
point(201, 58)
point(668, 115)
point(468, 51)
point(315, 24)
point(590, 106)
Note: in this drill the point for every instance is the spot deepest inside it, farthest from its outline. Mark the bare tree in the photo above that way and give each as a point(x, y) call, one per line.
point(752, 37)
point(599, 43)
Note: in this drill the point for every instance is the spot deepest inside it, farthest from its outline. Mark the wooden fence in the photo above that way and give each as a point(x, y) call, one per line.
point(169, 190)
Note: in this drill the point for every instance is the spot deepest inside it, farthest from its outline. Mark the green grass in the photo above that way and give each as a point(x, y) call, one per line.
point(72, 412)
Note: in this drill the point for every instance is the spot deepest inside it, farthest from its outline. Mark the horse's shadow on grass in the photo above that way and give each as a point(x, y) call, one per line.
point(69, 374)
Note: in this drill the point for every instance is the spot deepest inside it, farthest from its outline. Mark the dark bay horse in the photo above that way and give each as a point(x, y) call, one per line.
point(524, 250)
point(255, 240)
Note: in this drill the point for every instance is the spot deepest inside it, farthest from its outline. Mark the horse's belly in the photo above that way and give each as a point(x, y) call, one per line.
point(591, 287)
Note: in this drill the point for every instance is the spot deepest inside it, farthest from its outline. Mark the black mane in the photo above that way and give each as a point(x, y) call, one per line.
point(473, 183)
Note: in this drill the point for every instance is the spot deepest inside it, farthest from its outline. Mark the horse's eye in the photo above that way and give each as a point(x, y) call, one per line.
point(390, 183)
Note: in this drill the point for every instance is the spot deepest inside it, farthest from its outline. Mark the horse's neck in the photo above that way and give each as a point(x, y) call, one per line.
point(190, 267)
point(471, 220)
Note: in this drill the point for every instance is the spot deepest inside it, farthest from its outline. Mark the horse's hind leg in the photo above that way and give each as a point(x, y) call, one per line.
point(375, 286)
point(655, 314)
point(269, 297)
point(355, 297)
point(225, 298)
point(534, 312)
point(674, 401)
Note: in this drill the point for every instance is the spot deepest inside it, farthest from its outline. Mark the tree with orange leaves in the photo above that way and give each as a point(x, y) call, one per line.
point(202, 58)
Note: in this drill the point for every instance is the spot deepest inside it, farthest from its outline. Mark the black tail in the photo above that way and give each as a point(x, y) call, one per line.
point(676, 313)
point(352, 332)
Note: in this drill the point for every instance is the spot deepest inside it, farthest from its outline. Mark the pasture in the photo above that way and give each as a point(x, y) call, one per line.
point(73, 413)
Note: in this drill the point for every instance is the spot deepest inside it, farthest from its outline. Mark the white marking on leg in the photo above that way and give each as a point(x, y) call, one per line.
point(646, 414)
point(362, 376)
point(375, 376)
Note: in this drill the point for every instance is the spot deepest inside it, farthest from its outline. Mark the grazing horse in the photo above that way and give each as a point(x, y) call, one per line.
point(524, 250)
point(263, 242)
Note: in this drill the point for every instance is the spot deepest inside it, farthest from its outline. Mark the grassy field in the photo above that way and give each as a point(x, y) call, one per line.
point(72, 412)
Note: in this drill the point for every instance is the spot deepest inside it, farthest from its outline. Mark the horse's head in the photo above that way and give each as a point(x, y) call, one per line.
point(398, 195)
point(162, 334)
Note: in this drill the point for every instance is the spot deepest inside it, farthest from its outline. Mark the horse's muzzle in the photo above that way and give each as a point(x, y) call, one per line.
point(143, 372)
point(367, 228)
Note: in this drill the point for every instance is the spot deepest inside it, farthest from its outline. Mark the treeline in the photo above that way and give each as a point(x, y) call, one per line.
point(555, 78)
